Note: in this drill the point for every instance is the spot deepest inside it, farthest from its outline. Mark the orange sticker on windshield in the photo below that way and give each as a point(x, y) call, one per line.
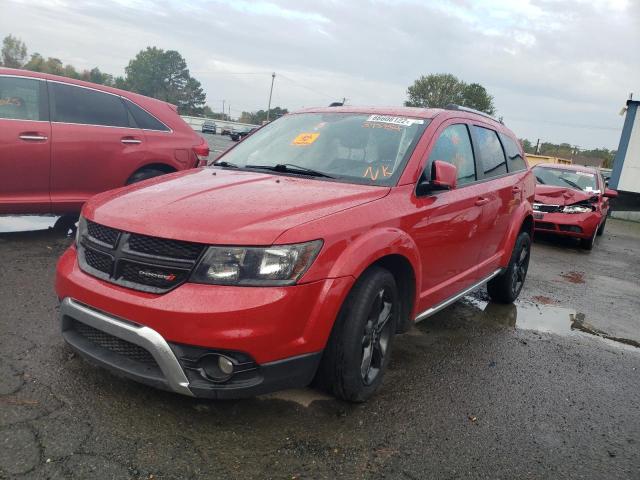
point(305, 139)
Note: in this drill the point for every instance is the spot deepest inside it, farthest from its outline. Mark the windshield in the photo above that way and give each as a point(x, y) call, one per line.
point(558, 177)
point(356, 148)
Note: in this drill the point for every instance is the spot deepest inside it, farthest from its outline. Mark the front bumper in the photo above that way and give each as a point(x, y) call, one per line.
point(577, 225)
point(279, 332)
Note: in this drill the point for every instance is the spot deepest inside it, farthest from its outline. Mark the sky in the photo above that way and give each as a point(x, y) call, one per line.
point(559, 70)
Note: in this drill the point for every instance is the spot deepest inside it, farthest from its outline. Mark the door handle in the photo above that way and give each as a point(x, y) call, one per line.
point(32, 137)
point(482, 201)
point(131, 141)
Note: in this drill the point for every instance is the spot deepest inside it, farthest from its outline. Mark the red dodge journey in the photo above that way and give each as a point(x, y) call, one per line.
point(300, 253)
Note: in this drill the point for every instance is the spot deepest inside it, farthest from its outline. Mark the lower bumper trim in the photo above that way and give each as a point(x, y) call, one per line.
point(172, 378)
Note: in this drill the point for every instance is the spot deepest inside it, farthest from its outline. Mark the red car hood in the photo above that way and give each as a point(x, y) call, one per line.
point(224, 206)
point(560, 195)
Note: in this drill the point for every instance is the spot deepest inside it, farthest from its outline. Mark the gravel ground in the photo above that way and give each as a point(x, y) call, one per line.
point(477, 391)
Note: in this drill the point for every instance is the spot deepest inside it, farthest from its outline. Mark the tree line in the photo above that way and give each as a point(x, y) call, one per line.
point(157, 73)
point(163, 74)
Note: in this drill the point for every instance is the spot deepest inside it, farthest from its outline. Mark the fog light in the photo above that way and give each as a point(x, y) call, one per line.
point(225, 365)
point(214, 367)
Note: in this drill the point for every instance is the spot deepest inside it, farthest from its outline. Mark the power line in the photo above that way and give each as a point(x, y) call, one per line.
point(322, 94)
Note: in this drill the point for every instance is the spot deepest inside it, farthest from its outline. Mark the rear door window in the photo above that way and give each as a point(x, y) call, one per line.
point(20, 99)
point(492, 156)
point(514, 157)
point(85, 106)
point(454, 146)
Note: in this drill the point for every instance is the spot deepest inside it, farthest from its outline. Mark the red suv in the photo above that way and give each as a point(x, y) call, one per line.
point(300, 252)
point(63, 140)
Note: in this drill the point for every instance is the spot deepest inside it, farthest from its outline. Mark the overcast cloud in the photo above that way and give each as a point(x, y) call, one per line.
point(559, 70)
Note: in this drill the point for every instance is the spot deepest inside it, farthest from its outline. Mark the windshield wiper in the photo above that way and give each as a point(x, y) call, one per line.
point(291, 168)
point(224, 163)
point(570, 183)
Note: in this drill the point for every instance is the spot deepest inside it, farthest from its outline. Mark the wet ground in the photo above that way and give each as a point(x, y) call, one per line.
point(478, 391)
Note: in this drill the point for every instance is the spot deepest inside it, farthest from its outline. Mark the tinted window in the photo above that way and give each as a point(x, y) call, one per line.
point(490, 152)
point(514, 157)
point(20, 98)
point(147, 121)
point(454, 146)
point(90, 107)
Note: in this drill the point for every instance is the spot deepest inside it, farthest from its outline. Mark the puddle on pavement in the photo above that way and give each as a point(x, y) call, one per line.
point(301, 396)
point(36, 223)
point(543, 317)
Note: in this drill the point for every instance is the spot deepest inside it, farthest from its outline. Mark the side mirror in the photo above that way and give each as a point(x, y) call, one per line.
point(443, 177)
point(610, 193)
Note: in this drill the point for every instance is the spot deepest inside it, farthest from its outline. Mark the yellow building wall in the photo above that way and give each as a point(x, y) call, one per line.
point(536, 159)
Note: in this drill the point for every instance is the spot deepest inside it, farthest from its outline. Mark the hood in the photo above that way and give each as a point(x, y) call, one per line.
point(560, 195)
point(224, 207)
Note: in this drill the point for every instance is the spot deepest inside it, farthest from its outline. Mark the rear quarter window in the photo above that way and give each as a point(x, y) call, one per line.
point(145, 120)
point(492, 156)
point(514, 157)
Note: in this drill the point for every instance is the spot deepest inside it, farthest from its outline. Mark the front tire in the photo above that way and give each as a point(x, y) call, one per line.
point(144, 175)
point(506, 287)
point(601, 227)
point(589, 243)
point(359, 348)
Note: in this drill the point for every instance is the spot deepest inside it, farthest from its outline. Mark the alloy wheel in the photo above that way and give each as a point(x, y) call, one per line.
point(376, 336)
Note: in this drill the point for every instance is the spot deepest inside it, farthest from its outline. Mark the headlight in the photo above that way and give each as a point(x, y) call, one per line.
point(576, 209)
point(81, 230)
point(256, 266)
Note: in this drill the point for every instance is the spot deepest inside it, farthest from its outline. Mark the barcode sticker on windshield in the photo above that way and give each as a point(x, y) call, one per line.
point(305, 139)
point(404, 121)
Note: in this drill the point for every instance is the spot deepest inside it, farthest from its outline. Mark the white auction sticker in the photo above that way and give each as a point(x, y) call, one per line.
point(407, 122)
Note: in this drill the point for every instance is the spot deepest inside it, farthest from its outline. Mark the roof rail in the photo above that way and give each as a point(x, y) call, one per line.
point(453, 106)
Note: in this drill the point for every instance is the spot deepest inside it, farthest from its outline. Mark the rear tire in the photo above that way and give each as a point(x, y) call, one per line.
point(144, 175)
point(359, 348)
point(506, 287)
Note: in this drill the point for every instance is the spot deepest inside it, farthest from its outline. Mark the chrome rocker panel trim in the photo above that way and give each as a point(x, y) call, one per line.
point(430, 311)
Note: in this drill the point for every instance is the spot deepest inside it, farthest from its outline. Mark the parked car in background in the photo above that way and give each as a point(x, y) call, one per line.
point(572, 201)
point(64, 140)
point(227, 130)
point(333, 230)
point(239, 134)
point(209, 126)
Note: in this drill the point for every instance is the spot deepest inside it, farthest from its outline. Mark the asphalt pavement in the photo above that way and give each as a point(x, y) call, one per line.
point(477, 391)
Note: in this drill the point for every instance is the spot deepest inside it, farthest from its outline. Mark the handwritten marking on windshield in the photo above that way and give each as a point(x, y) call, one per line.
point(374, 174)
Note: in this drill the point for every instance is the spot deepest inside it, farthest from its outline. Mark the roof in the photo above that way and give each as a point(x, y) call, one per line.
point(575, 168)
point(73, 81)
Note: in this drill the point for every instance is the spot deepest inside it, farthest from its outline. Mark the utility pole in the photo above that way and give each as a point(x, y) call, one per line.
point(229, 111)
point(223, 109)
point(273, 77)
point(537, 146)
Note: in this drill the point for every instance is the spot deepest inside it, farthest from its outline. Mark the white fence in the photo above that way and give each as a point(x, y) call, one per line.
point(196, 123)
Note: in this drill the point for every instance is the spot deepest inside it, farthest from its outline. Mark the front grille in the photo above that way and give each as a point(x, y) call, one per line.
point(545, 225)
point(136, 261)
point(99, 261)
point(114, 344)
point(570, 228)
point(103, 234)
point(164, 247)
point(541, 207)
